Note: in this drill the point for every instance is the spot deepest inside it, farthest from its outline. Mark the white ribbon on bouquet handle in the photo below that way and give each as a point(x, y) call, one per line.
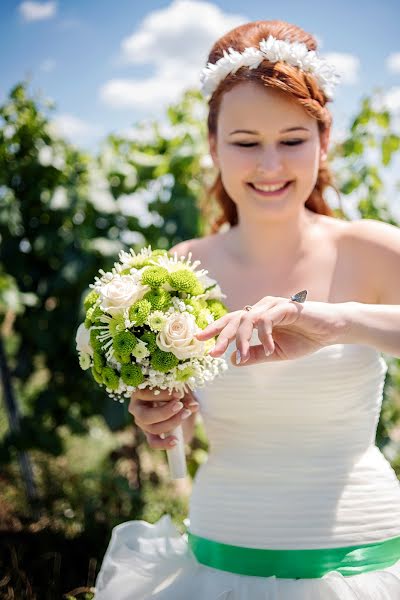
point(176, 455)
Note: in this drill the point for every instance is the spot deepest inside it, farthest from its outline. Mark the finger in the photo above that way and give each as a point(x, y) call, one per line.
point(169, 424)
point(264, 328)
point(190, 400)
point(214, 328)
point(226, 336)
point(257, 355)
point(146, 415)
point(265, 323)
point(147, 395)
point(154, 441)
point(243, 337)
point(222, 343)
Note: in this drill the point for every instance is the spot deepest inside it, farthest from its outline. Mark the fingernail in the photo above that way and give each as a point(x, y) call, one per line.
point(267, 352)
point(176, 406)
point(186, 413)
point(172, 443)
point(238, 357)
point(193, 403)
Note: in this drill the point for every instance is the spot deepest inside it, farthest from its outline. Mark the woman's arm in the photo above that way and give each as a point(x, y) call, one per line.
point(375, 325)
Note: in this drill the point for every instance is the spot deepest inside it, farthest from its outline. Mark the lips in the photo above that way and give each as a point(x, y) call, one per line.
point(283, 184)
point(276, 193)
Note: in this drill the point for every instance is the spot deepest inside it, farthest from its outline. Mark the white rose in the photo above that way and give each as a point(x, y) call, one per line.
point(121, 292)
point(83, 340)
point(177, 336)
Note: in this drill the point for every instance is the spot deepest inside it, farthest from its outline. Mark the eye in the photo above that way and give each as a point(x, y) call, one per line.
point(287, 143)
point(293, 142)
point(244, 145)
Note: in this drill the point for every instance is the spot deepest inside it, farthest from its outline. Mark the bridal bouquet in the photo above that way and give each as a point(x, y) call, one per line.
point(140, 326)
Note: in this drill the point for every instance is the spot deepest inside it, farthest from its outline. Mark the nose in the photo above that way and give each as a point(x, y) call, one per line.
point(269, 161)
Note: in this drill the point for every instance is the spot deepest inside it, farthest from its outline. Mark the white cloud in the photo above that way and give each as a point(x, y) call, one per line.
point(388, 100)
point(47, 65)
point(392, 62)
point(36, 11)
point(74, 129)
point(175, 42)
point(347, 65)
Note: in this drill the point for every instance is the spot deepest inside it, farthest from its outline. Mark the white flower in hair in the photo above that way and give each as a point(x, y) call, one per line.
point(294, 53)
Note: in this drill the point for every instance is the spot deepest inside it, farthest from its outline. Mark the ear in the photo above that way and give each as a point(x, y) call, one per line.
point(213, 149)
point(324, 143)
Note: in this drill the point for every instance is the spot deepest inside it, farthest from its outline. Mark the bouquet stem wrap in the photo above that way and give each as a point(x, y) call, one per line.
point(176, 455)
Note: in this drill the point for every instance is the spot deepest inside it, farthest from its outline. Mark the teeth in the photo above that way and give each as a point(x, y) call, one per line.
point(269, 188)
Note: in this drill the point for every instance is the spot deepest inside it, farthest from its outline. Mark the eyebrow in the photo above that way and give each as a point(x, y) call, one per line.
point(282, 130)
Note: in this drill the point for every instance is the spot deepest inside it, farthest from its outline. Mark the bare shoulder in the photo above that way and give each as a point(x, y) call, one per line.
point(376, 245)
point(199, 247)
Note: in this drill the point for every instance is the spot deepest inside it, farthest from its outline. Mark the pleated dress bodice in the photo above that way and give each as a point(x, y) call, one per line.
point(292, 457)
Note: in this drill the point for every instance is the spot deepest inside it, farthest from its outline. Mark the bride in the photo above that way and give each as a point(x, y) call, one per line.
point(295, 501)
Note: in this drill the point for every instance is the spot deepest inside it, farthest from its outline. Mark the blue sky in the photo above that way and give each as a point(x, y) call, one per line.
point(109, 65)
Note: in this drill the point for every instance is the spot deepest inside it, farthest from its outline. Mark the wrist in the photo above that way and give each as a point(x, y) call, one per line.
point(352, 332)
point(347, 323)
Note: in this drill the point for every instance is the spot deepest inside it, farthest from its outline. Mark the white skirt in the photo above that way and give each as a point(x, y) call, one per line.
point(147, 561)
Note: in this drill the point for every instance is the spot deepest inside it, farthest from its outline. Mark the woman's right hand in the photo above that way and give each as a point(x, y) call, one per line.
point(155, 420)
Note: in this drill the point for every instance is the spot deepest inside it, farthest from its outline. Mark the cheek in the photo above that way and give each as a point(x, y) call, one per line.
point(307, 161)
point(234, 162)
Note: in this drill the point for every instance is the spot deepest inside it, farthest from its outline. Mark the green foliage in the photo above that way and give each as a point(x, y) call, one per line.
point(64, 215)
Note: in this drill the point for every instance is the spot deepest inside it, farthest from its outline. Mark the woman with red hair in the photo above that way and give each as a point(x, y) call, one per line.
point(295, 501)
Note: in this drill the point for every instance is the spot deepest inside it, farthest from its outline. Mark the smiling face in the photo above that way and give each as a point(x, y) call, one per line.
point(265, 138)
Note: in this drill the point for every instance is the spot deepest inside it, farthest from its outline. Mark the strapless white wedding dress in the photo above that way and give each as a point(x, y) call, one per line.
point(292, 465)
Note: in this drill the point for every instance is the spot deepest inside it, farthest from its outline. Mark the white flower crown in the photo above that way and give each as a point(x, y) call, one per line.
point(295, 53)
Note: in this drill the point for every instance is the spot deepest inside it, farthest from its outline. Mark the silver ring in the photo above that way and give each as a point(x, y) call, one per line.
point(299, 297)
point(247, 307)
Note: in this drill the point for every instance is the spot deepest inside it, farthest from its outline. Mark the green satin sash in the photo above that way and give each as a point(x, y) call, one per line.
point(295, 564)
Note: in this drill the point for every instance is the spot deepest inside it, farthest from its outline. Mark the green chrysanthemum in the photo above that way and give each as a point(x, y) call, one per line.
point(116, 325)
point(149, 338)
point(159, 299)
point(154, 276)
point(202, 319)
point(84, 361)
point(124, 359)
point(99, 361)
point(139, 312)
point(90, 299)
point(217, 308)
point(184, 280)
point(184, 374)
point(158, 252)
point(110, 378)
point(94, 313)
point(87, 323)
point(97, 376)
point(140, 350)
point(94, 341)
point(156, 320)
point(139, 262)
point(132, 375)
point(197, 305)
point(124, 342)
point(163, 361)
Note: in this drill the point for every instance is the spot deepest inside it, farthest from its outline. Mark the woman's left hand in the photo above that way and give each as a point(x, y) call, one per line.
point(286, 329)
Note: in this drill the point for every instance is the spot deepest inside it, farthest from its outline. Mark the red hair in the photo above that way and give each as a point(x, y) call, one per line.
point(299, 85)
